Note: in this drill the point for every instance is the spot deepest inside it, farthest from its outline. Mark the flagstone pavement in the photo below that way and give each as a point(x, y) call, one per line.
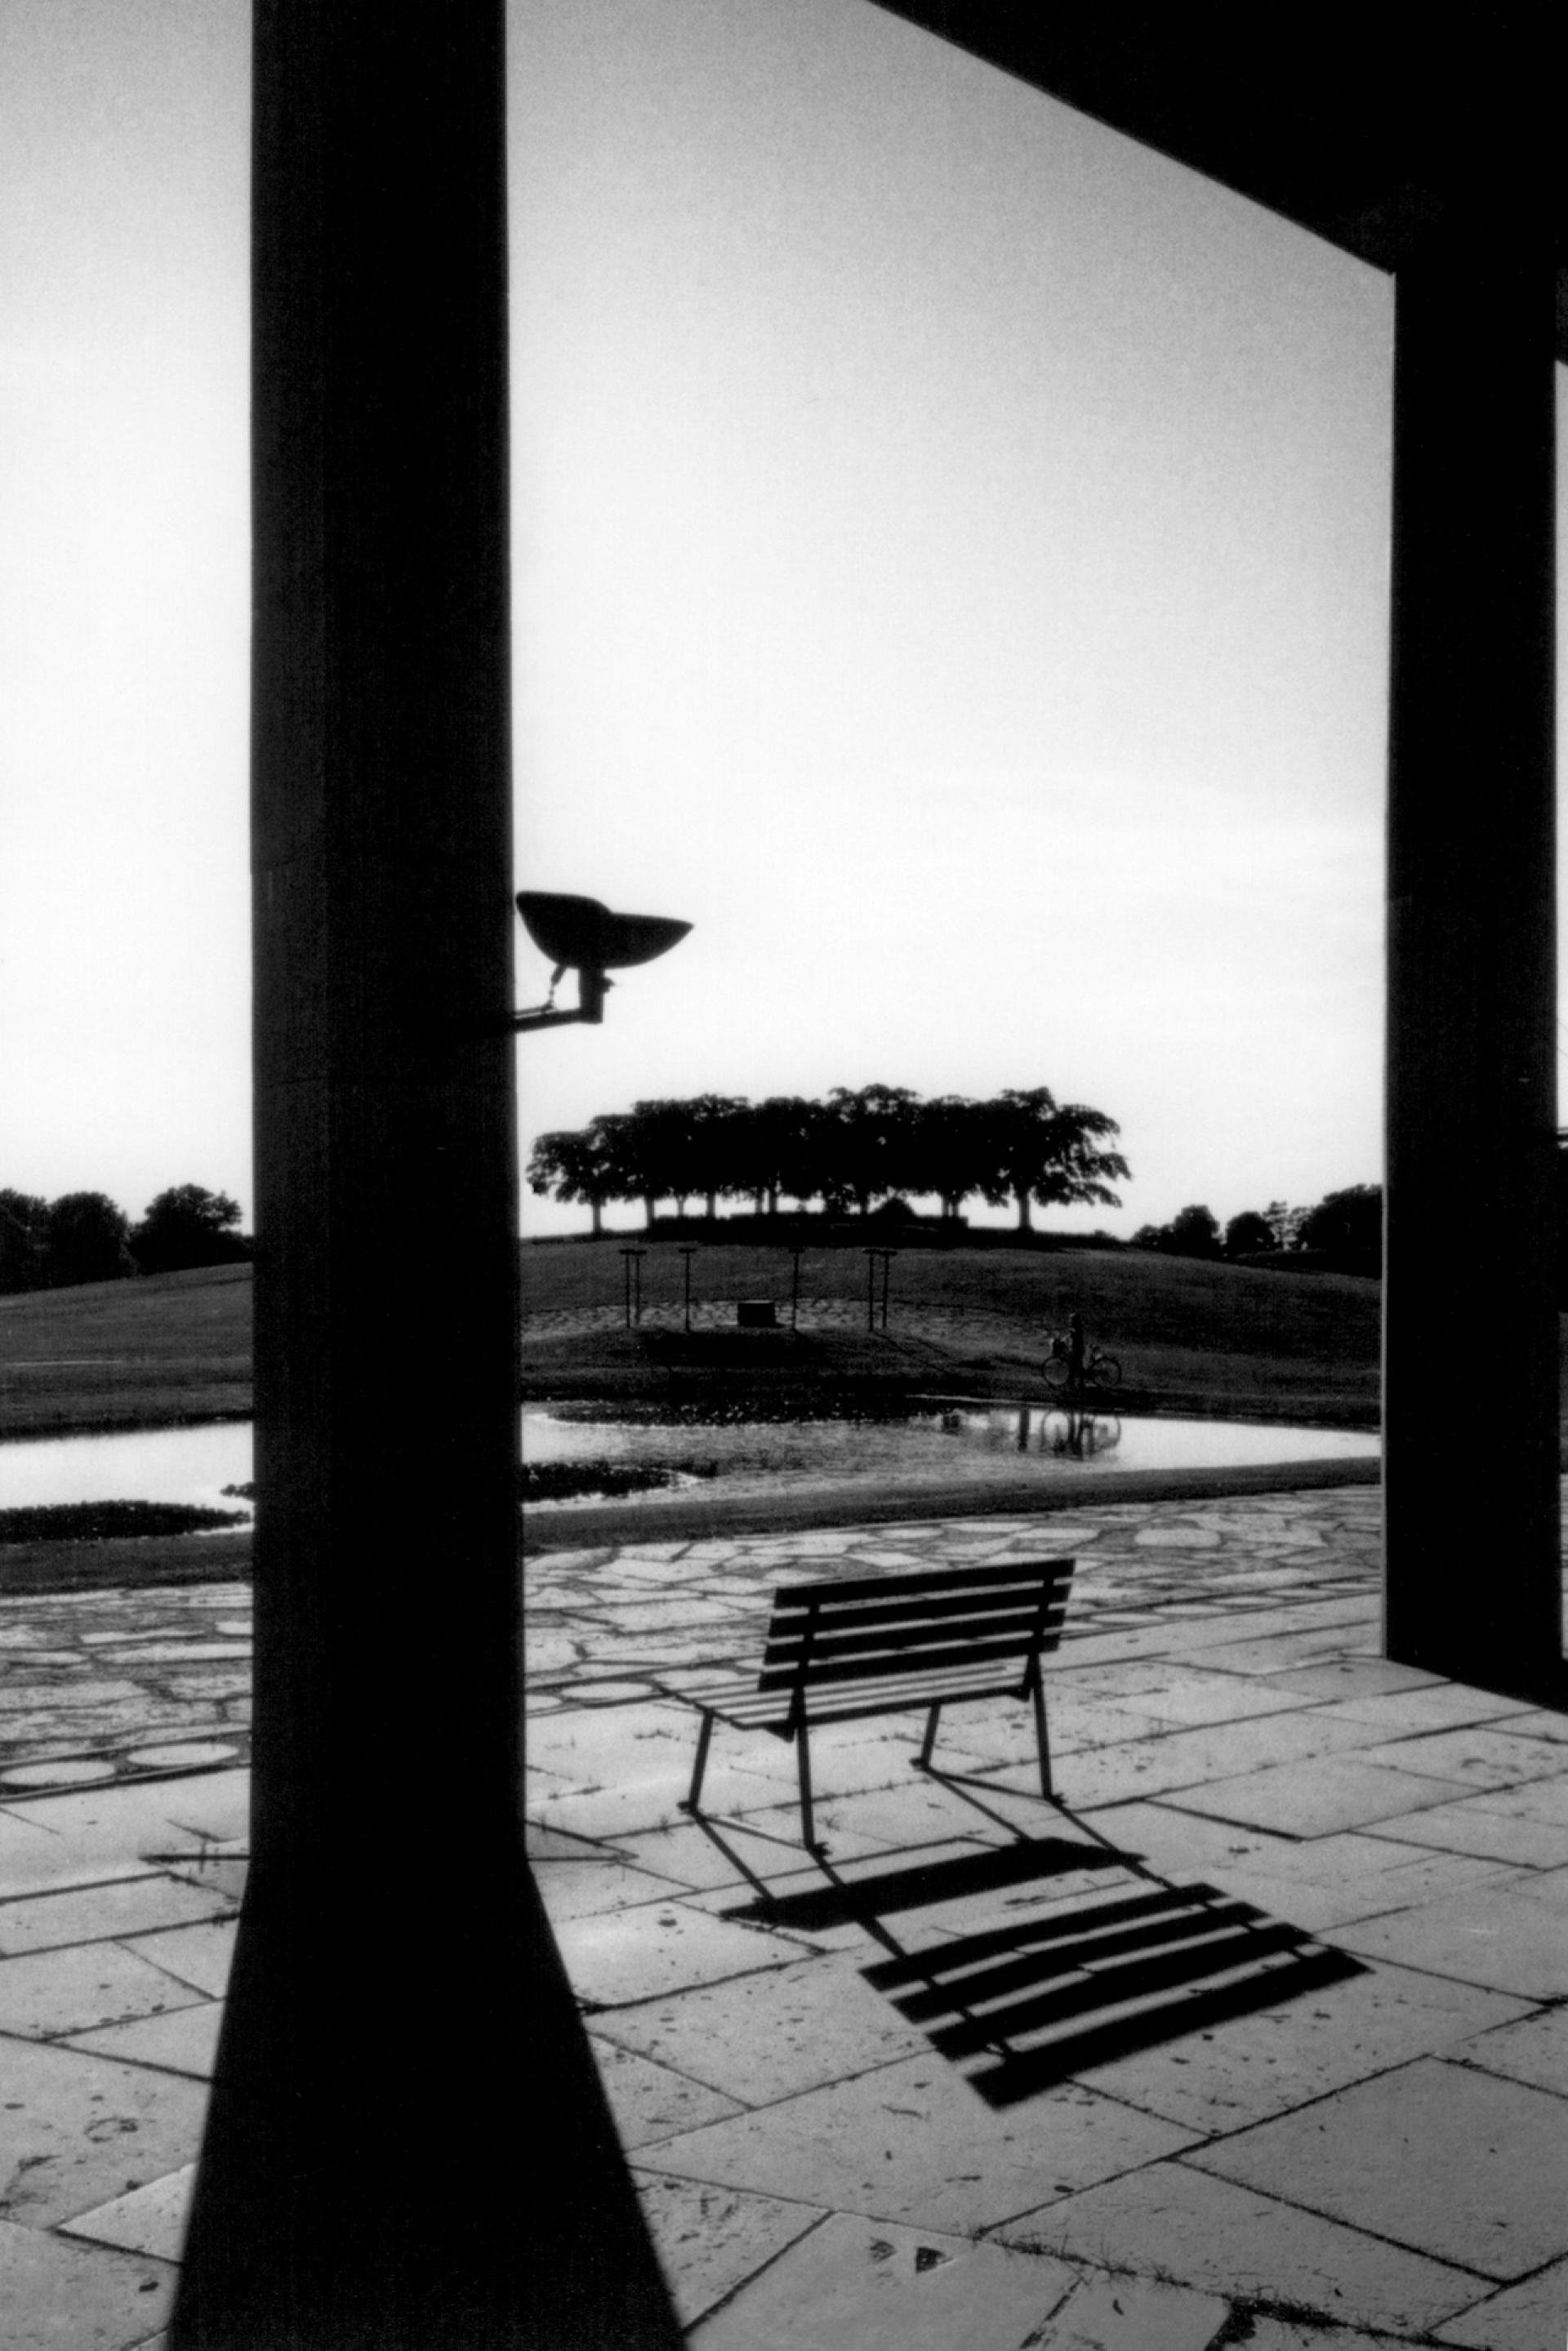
point(1261, 2038)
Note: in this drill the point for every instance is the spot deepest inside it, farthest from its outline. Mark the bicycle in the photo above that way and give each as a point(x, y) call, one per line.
point(1100, 1369)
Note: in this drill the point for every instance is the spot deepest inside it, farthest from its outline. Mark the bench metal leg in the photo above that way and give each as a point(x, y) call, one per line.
point(704, 1736)
point(1041, 1733)
point(803, 1759)
point(930, 1740)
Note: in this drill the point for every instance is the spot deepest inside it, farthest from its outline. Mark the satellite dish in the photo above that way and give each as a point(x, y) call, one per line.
point(581, 934)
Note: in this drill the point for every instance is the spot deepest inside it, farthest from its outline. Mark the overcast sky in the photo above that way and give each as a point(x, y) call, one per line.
point(950, 568)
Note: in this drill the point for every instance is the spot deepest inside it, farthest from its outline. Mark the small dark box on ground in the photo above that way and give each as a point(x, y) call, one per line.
point(756, 1314)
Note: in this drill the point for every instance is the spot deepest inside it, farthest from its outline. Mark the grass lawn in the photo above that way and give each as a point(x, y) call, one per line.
point(147, 1354)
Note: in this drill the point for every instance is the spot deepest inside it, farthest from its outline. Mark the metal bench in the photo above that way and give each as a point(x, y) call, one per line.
point(863, 1645)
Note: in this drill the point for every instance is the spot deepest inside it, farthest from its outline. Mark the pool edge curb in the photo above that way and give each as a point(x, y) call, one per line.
point(553, 1527)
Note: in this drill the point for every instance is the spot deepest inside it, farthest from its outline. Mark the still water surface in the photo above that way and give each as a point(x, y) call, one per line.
point(146, 1465)
point(939, 1440)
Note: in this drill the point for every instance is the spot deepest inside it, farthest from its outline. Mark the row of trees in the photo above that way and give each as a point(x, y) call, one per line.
point(84, 1237)
point(849, 1151)
point(1345, 1227)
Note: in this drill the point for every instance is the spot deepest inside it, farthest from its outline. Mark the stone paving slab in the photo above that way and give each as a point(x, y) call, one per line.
point(1533, 2048)
point(1531, 2316)
point(1339, 1792)
point(182, 2040)
point(764, 1845)
point(1442, 2158)
point(1269, 2333)
point(1483, 1936)
point(48, 1994)
point(75, 2129)
point(117, 1831)
point(579, 1890)
point(651, 2101)
point(711, 2239)
point(149, 2219)
point(764, 2037)
point(1480, 1756)
point(662, 1947)
point(1434, 1705)
point(200, 1956)
point(1246, 2068)
point(1173, 2221)
point(883, 2288)
point(93, 1913)
point(1492, 1831)
point(912, 2142)
point(60, 2295)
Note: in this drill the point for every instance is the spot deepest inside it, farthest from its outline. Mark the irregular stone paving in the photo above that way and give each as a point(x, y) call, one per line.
point(1261, 2038)
point(99, 1685)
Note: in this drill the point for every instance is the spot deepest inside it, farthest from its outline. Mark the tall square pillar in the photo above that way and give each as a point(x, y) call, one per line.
point(407, 2147)
point(1471, 1363)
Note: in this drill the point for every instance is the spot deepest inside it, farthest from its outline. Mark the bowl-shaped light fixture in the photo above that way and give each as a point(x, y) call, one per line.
point(581, 934)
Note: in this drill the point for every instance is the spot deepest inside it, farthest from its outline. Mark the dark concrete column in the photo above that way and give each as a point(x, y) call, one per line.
point(407, 2145)
point(1471, 1415)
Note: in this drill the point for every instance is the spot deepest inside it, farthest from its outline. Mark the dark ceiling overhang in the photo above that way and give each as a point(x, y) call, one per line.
point(1371, 128)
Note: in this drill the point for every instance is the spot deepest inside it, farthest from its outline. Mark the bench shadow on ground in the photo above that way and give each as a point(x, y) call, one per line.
point(1027, 2003)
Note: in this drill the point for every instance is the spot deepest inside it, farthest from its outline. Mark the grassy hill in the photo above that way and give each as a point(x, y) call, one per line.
point(146, 1353)
point(1192, 1336)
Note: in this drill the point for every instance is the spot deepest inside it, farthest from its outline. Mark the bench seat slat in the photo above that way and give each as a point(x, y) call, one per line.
point(747, 1707)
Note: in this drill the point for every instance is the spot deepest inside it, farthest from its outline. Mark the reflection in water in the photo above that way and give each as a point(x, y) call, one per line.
point(1066, 1430)
point(1078, 1435)
point(760, 1445)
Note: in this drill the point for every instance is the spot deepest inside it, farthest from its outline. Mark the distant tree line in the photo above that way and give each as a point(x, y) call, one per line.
point(84, 1237)
point(849, 1151)
point(1344, 1230)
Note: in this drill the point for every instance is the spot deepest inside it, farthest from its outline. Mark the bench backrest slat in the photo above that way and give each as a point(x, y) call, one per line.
point(1012, 1656)
point(1000, 1599)
point(908, 1642)
point(833, 1591)
point(896, 1623)
point(875, 1627)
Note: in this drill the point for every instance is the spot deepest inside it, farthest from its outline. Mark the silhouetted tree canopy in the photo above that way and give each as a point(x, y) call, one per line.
point(1344, 1233)
point(1247, 1234)
point(1347, 1224)
point(24, 1241)
point(86, 1239)
point(1192, 1232)
point(854, 1149)
point(188, 1226)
